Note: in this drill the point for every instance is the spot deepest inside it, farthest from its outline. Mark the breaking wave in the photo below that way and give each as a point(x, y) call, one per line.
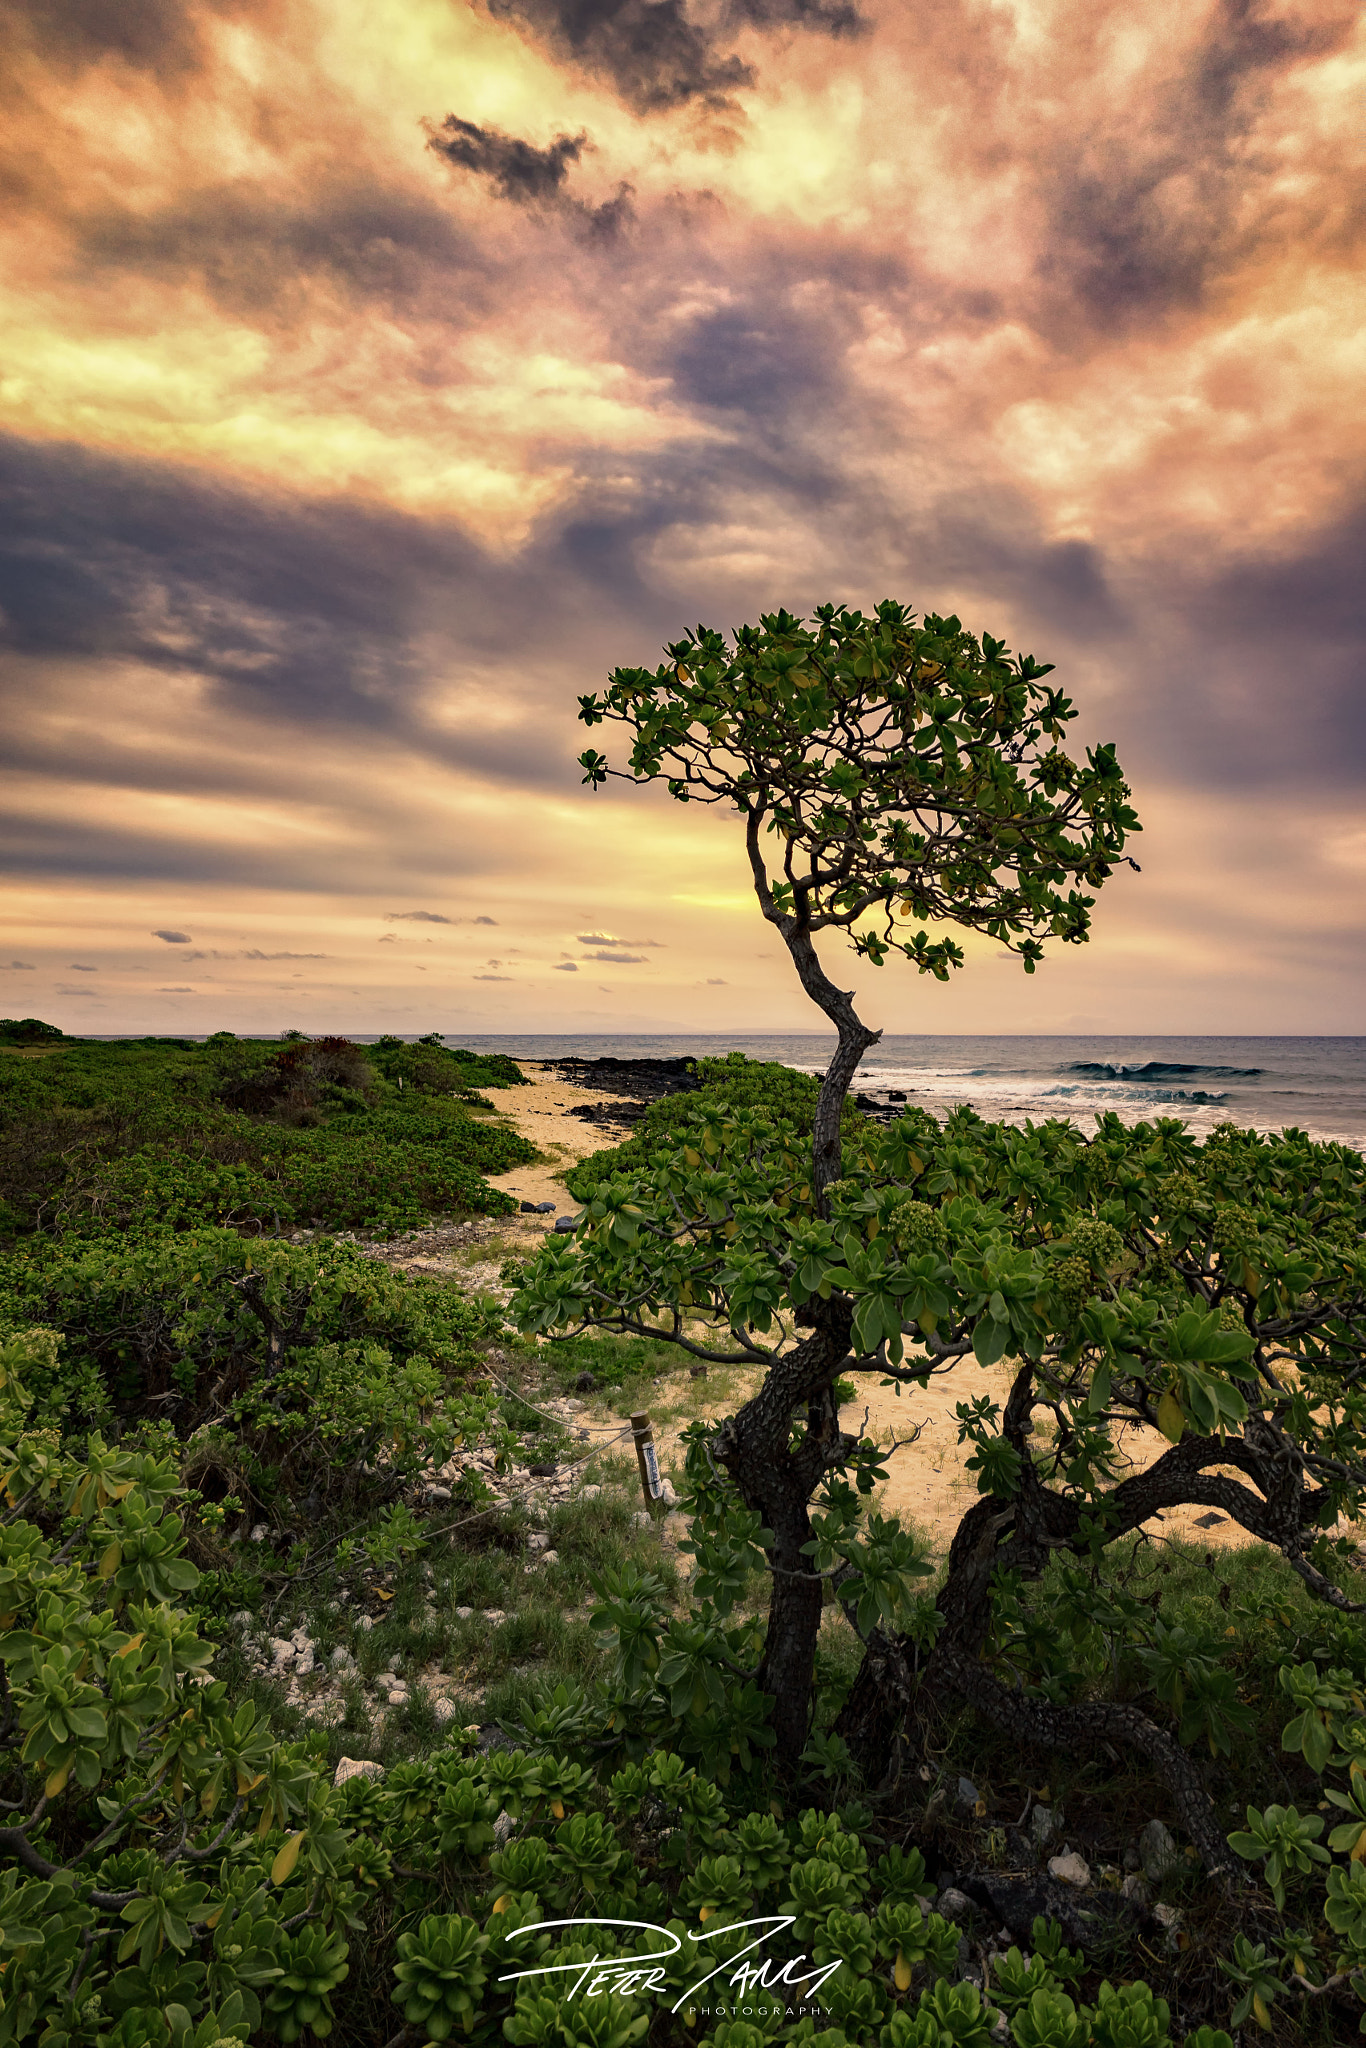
point(1160, 1070)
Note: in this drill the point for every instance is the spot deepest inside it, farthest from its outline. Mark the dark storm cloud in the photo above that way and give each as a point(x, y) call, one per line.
point(150, 35)
point(253, 253)
point(302, 609)
point(655, 55)
point(82, 848)
point(1265, 671)
point(648, 50)
point(174, 938)
point(822, 17)
point(1146, 215)
point(517, 169)
point(530, 176)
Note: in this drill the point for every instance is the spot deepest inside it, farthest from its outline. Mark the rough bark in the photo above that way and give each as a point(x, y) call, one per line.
point(1019, 1535)
point(778, 1481)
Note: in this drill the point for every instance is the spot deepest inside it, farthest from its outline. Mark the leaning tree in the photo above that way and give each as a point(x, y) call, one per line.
point(896, 778)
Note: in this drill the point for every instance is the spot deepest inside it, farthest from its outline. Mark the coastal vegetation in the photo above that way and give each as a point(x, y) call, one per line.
point(343, 1676)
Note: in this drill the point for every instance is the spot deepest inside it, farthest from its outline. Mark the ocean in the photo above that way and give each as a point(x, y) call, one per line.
point(1316, 1085)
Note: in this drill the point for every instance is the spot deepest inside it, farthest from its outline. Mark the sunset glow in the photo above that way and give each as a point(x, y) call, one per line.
point(345, 444)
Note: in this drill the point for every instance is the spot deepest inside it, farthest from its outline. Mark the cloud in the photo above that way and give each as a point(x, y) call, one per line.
point(715, 982)
point(254, 954)
point(517, 169)
point(618, 959)
point(486, 920)
point(657, 54)
point(159, 36)
point(175, 991)
point(530, 176)
point(83, 970)
point(21, 966)
point(174, 938)
point(492, 977)
point(565, 967)
point(649, 51)
point(340, 457)
point(417, 917)
point(389, 939)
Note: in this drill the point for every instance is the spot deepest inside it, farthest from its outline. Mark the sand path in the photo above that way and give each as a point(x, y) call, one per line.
point(926, 1484)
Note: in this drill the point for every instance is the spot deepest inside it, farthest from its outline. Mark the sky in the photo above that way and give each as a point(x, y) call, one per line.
point(378, 374)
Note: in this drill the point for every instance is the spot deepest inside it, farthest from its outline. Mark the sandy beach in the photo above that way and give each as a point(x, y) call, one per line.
point(927, 1483)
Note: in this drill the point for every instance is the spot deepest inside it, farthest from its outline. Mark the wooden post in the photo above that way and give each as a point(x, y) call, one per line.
point(650, 1482)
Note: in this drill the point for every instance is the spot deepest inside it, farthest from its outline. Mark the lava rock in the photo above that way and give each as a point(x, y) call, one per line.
point(1017, 1901)
point(644, 1079)
point(546, 1208)
point(585, 1384)
point(564, 1224)
point(953, 1904)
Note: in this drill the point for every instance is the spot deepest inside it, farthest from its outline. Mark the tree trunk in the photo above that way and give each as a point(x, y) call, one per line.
point(778, 1482)
point(854, 1041)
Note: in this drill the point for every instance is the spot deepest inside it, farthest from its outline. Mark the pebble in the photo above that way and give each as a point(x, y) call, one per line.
point(1158, 1853)
point(952, 1903)
point(463, 1613)
point(538, 1542)
point(494, 1614)
point(259, 1533)
point(1043, 1826)
point(966, 1797)
point(1134, 1888)
point(444, 1710)
point(1070, 1869)
point(398, 1697)
point(304, 1662)
point(352, 1767)
point(434, 1492)
point(341, 1658)
point(366, 1621)
point(282, 1649)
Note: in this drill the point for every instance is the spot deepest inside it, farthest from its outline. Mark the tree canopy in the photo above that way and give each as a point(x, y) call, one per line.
point(907, 772)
